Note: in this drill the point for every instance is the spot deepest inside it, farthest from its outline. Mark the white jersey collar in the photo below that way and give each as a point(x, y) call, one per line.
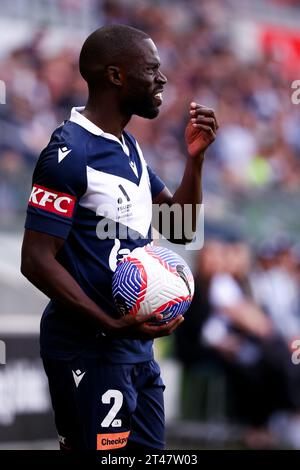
point(81, 120)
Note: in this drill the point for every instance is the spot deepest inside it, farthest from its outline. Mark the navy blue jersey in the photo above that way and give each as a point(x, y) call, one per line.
point(95, 192)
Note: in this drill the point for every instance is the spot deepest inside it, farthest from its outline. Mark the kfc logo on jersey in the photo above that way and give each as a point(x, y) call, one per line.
point(52, 201)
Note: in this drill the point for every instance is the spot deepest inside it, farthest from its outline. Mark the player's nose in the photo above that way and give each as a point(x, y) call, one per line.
point(161, 78)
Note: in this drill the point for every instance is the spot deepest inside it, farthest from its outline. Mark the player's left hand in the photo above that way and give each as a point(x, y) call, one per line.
point(157, 331)
point(201, 129)
point(143, 328)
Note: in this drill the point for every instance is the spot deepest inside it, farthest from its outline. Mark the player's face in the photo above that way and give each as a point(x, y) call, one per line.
point(144, 83)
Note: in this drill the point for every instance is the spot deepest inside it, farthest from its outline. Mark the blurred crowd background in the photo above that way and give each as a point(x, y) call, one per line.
point(239, 57)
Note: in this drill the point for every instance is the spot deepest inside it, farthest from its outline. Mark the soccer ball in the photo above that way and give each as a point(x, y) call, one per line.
point(153, 279)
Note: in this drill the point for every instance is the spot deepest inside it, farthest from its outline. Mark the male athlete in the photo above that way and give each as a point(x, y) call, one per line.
point(105, 386)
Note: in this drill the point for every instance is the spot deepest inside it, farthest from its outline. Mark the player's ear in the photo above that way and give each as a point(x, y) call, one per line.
point(114, 75)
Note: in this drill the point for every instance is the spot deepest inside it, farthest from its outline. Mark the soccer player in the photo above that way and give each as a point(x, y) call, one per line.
point(105, 386)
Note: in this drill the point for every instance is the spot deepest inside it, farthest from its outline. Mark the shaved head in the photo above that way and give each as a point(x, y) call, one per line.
point(109, 45)
point(121, 66)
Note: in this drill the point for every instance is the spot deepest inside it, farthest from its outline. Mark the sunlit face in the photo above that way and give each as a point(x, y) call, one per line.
point(144, 82)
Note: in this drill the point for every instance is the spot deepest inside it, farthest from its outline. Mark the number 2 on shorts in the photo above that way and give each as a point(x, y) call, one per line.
point(109, 419)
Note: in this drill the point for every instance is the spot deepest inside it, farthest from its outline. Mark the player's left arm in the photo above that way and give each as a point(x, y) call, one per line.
point(199, 134)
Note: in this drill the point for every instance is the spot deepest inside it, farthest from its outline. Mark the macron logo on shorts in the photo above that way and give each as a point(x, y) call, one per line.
point(52, 201)
point(112, 441)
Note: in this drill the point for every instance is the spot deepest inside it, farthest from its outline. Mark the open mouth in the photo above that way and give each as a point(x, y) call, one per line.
point(158, 98)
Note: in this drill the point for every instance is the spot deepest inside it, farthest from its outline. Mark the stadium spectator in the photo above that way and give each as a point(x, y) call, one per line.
point(258, 150)
point(229, 339)
point(259, 143)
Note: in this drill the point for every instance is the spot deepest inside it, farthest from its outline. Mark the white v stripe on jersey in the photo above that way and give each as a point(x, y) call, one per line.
point(103, 194)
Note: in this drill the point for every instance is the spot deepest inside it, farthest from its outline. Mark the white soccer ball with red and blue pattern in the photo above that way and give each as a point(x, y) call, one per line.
point(153, 279)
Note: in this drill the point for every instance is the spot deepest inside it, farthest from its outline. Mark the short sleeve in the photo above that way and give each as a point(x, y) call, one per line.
point(156, 184)
point(59, 181)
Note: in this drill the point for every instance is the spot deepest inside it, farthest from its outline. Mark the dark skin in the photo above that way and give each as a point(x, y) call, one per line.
point(124, 89)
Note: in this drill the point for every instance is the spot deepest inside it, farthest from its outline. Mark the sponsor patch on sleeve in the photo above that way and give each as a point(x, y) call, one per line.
point(112, 441)
point(52, 201)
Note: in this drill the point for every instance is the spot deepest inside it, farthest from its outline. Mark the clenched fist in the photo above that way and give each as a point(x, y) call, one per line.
point(201, 129)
